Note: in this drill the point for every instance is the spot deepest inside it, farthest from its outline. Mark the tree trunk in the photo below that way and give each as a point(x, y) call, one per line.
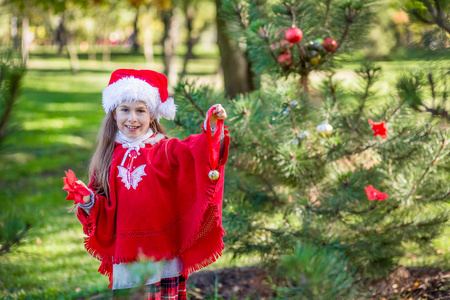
point(190, 42)
point(148, 47)
point(304, 83)
point(106, 52)
point(15, 33)
point(92, 50)
point(73, 55)
point(25, 39)
point(61, 38)
point(10, 85)
point(169, 46)
point(134, 37)
point(237, 75)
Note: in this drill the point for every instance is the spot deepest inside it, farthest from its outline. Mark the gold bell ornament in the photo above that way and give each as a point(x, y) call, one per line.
point(214, 175)
point(324, 129)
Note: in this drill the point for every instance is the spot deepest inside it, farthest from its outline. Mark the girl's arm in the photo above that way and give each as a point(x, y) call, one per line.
point(88, 200)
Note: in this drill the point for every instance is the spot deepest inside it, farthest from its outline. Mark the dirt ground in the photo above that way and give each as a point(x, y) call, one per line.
point(251, 283)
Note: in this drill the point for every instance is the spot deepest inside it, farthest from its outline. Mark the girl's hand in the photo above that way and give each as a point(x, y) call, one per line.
point(86, 199)
point(219, 114)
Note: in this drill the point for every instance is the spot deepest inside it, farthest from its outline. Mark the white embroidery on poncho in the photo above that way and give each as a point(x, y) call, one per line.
point(131, 179)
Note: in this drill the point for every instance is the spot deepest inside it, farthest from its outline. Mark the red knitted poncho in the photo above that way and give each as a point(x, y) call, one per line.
point(164, 206)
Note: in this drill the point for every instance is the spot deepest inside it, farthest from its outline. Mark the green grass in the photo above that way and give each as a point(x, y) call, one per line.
point(56, 121)
point(55, 125)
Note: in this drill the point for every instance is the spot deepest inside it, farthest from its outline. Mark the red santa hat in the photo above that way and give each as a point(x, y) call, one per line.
point(139, 85)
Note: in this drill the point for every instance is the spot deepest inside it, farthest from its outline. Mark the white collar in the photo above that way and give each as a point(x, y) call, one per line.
point(139, 142)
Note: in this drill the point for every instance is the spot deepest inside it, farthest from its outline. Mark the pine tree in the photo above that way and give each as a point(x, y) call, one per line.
point(326, 182)
point(15, 224)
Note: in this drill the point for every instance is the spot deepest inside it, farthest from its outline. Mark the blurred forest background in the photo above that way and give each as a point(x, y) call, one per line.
point(295, 208)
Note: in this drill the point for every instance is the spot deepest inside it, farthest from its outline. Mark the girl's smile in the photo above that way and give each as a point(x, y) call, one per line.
point(132, 118)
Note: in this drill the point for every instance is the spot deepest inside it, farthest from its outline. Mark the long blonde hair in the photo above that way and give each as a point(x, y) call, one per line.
point(100, 164)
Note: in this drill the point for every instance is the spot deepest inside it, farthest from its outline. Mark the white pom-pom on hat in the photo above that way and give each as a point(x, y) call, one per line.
point(139, 85)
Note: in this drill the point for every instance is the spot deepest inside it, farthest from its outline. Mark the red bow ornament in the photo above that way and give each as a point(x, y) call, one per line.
point(213, 141)
point(76, 190)
point(379, 128)
point(374, 194)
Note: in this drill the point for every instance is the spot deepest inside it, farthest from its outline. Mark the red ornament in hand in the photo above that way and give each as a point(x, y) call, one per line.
point(76, 190)
point(374, 194)
point(379, 128)
point(294, 35)
point(329, 44)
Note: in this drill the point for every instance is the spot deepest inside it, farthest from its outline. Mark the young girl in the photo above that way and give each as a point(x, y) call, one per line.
point(153, 198)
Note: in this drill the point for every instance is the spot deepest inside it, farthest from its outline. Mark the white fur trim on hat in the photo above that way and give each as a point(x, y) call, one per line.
point(168, 109)
point(130, 89)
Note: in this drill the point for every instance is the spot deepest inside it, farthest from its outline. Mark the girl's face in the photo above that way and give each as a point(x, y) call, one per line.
point(132, 118)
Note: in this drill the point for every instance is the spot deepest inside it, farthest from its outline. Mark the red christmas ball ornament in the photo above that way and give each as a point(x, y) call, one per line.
point(294, 35)
point(285, 59)
point(329, 44)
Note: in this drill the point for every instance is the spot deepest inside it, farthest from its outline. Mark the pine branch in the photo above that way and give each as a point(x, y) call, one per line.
point(178, 123)
point(7, 247)
point(437, 14)
point(369, 83)
point(188, 96)
point(327, 12)
point(10, 97)
point(262, 148)
point(441, 18)
point(414, 188)
point(270, 187)
point(303, 58)
point(238, 9)
point(442, 112)
point(436, 112)
point(433, 93)
point(364, 211)
point(387, 119)
point(421, 18)
point(349, 19)
point(291, 117)
point(332, 88)
point(262, 32)
point(373, 231)
point(417, 225)
point(438, 199)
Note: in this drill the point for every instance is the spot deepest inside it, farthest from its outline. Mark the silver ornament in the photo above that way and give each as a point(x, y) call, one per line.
point(324, 130)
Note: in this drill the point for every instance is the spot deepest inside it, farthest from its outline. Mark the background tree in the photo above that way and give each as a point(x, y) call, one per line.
point(325, 186)
point(434, 12)
point(197, 22)
point(237, 74)
point(257, 26)
point(14, 223)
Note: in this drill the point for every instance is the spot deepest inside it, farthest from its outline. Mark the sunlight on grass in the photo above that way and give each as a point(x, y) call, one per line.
point(70, 107)
point(67, 139)
point(44, 124)
point(19, 157)
point(59, 114)
point(53, 257)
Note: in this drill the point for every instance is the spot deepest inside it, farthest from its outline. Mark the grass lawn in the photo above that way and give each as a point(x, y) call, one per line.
point(56, 120)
